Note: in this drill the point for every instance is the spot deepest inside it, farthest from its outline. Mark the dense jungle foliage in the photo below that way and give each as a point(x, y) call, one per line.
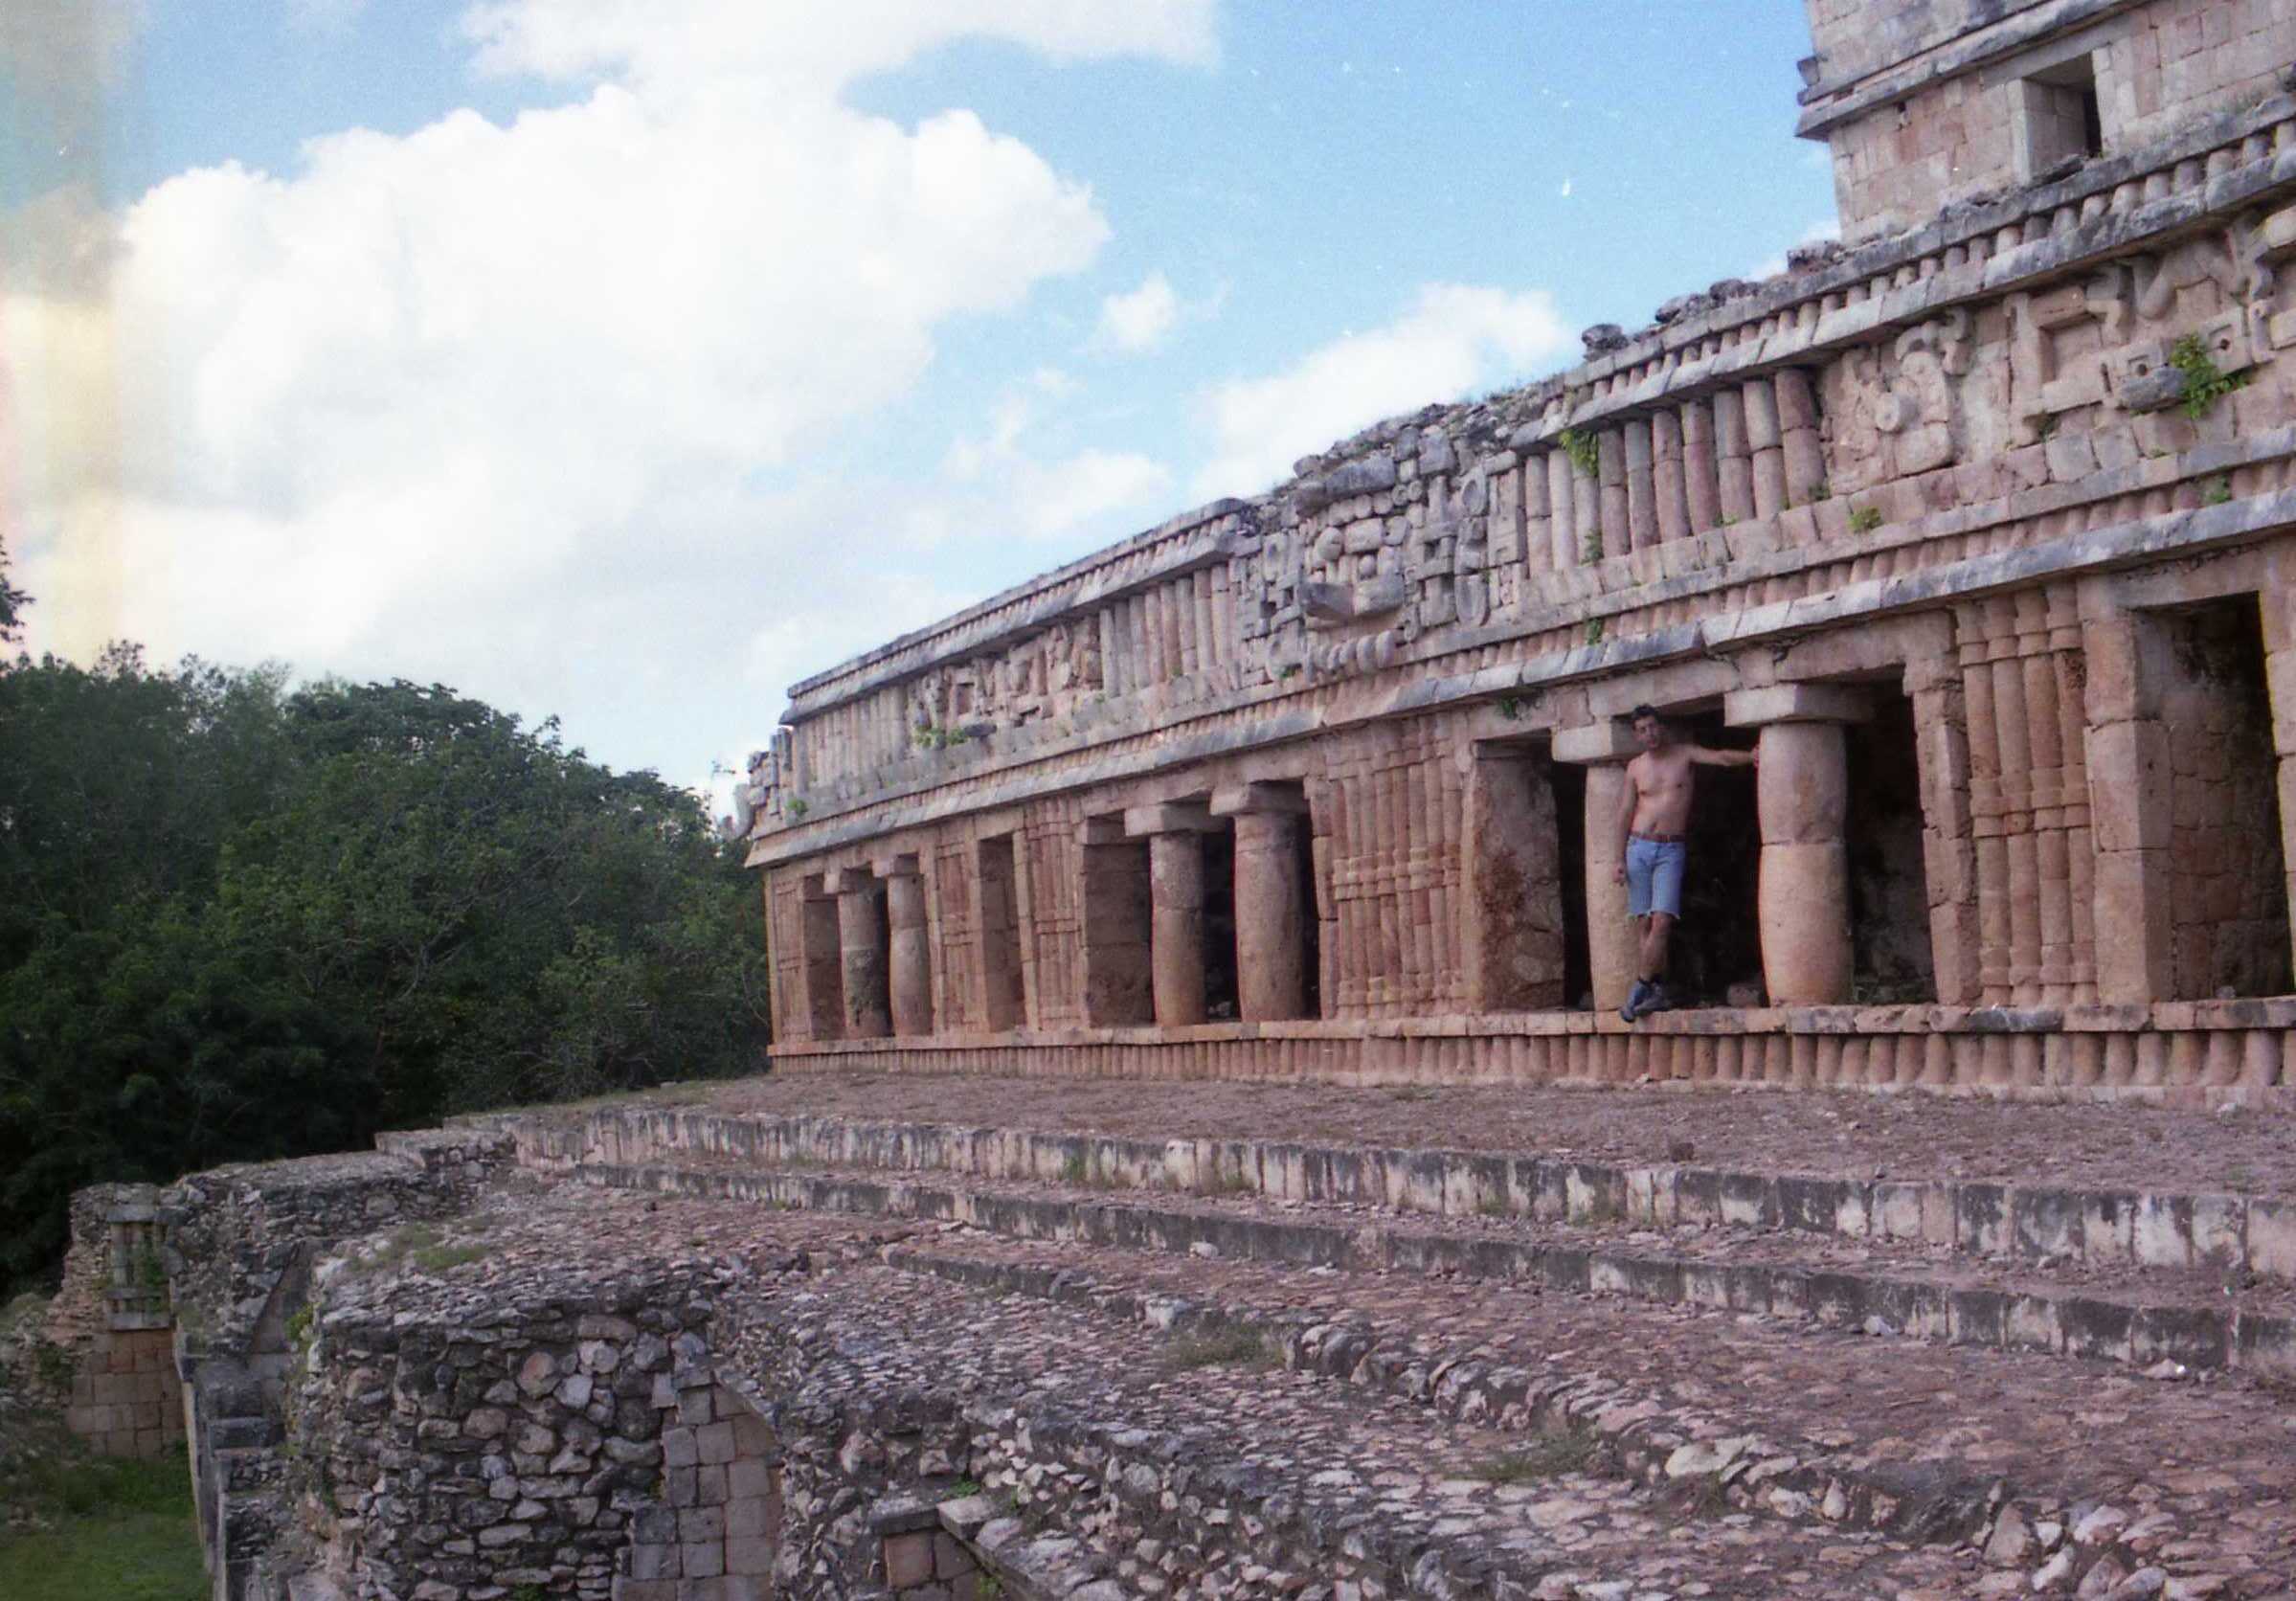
point(242, 921)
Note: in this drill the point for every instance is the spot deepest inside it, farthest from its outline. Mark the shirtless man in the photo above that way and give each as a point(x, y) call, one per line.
point(1654, 831)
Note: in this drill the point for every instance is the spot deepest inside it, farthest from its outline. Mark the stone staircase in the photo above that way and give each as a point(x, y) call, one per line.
point(1460, 1372)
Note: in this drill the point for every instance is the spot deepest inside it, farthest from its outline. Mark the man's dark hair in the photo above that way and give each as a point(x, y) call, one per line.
point(1644, 710)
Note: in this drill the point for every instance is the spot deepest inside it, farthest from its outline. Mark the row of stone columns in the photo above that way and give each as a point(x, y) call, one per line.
point(885, 956)
point(1269, 910)
point(1744, 452)
point(1802, 909)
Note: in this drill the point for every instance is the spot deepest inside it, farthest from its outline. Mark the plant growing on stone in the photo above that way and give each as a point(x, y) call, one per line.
point(1595, 630)
point(1581, 449)
point(2218, 492)
point(797, 808)
point(1235, 1347)
point(1864, 519)
point(1549, 1455)
point(2204, 382)
point(1510, 707)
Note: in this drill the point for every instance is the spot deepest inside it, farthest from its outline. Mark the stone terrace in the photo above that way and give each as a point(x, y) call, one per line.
point(860, 1335)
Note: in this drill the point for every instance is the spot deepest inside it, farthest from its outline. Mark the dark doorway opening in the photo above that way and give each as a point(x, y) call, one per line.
point(1718, 944)
point(2228, 895)
point(1119, 989)
point(1004, 995)
point(1571, 864)
point(825, 964)
point(1310, 925)
point(1221, 1001)
point(1889, 885)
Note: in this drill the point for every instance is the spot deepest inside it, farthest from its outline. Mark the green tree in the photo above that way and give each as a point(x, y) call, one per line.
point(236, 922)
point(12, 603)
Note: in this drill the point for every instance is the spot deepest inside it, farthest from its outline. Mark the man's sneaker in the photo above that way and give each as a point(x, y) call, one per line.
point(1635, 999)
point(1654, 1000)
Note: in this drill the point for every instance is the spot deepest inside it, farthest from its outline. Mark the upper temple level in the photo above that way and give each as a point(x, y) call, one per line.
point(1757, 440)
point(1932, 103)
point(1979, 530)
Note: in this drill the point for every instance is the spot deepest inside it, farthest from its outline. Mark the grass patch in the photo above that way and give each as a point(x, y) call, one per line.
point(1232, 1348)
point(438, 1258)
point(1548, 1456)
point(125, 1533)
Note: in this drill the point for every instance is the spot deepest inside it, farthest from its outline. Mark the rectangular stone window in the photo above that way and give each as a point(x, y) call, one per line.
point(2055, 115)
point(1004, 982)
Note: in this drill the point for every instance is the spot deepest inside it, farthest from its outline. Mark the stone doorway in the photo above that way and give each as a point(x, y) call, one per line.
point(2227, 883)
point(1569, 784)
point(1118, 972)
point(1892, 958)
point(1222, 1000)
point(1003, 976)
point(823, 966)
point(1718, 944)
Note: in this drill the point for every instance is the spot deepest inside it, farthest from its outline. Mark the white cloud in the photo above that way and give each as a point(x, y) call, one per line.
point(1139, 318)
point(497, 404)
point(1058, 497)
point(1454, 338)
point(1817, 233)
point(682, 45)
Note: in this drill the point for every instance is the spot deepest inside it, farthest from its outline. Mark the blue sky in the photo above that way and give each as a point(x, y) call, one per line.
point(634, 357)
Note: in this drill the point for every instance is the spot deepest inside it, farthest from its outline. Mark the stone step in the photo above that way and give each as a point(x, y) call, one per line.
point(1923, 1442)
point(2114, 1227)
point(1212, 1463)
point(2069, 1310)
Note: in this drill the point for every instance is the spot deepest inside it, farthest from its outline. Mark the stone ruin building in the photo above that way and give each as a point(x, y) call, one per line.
point(1976, 522)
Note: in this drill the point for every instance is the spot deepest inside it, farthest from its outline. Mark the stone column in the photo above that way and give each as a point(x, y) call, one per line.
point(1175, 835)
point(909, 979)
point(1642, 487)
point(1733, 464)
point(1271, 972)
point(1603, 749)
point(1764, 444)
point(1805, 455)
point(1702, 467)
point(861, 952)
point(1802, 789)
point(2127, 758)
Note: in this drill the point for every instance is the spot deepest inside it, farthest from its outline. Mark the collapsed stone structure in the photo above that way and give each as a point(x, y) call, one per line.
point(759, 1340)
point(1975, 523)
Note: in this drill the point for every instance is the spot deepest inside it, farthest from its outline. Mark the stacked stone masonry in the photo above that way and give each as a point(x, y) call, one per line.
point(1977, 527)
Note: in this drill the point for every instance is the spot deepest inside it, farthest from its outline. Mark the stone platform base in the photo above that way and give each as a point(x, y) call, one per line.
point(2217, 1053)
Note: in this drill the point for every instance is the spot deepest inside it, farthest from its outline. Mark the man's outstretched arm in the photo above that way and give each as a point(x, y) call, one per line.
point(1704, 758)
point(1626, 823)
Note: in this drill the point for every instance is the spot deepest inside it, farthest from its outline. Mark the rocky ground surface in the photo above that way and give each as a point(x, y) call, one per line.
point(1525, 1441)
point(1845, 1132)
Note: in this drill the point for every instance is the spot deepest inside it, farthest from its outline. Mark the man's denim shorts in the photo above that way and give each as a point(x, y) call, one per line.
point(1654, 875)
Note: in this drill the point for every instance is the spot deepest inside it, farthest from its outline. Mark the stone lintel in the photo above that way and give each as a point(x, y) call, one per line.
point(1102, 830)
point(901, 865)
point(1796, 703)
point(839, 881)
point(1230, 800)
point(1592, 743)
point(1180, 817)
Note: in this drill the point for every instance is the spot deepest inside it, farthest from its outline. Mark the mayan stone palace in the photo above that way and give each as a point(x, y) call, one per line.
point(1202, 1158)
point(1975, 525)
